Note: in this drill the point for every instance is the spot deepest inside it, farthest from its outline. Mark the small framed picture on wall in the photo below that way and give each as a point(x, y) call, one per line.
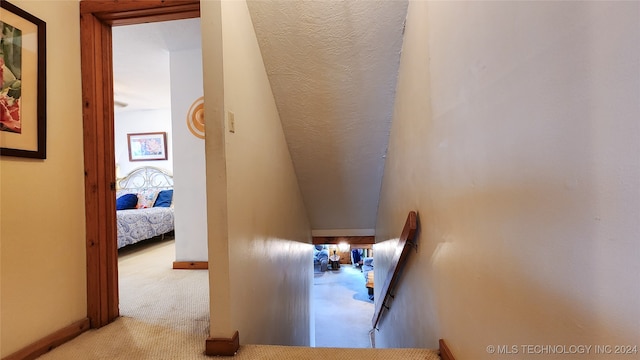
point(147, 146)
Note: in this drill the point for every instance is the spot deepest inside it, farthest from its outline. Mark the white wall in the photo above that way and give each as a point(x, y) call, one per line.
point(132, 122)
point(216, 170)
point(42, 227)
point(268, 240)
point(189, 166)
point(515, 136)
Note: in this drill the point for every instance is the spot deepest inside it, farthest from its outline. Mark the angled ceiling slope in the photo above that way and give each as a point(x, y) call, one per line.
point(333, 68)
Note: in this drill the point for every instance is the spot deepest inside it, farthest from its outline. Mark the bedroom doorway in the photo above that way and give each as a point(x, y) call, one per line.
point(97, 19)
point(157, 75)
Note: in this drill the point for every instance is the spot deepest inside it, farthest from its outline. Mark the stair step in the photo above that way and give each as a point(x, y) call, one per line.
point(267, 352)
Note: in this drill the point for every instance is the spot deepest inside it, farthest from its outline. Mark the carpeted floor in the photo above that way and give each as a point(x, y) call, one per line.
point(130, 339)
point(165, 315)
point(271, 352)
point(151, 291)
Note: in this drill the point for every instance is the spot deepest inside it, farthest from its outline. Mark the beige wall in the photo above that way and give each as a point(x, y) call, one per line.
point(267, 226)
point(42, 229)
point(515, 136)
point(269, 234)
point(216, 170)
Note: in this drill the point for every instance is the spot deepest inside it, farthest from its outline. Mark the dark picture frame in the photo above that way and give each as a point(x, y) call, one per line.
point(147, 146)
point(23, 99)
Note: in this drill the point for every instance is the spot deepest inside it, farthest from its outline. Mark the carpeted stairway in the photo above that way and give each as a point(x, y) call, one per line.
point(131, 339)
point(158, 321)
point(272, 352)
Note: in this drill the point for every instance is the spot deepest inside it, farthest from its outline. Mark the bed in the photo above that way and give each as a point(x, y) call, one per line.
point(144, 203)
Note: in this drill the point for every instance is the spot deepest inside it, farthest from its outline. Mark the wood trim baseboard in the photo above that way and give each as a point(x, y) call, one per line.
point(445, 353)
point(47, 343)
point(191, 265)
point(222, 346)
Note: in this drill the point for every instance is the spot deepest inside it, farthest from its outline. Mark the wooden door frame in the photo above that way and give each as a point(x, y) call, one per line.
point(96, 19)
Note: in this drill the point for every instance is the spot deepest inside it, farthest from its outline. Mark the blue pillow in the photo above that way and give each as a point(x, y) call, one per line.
point(127, 201)
point(164, 199)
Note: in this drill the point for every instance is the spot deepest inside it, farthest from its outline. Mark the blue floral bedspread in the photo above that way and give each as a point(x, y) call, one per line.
point(140, 224)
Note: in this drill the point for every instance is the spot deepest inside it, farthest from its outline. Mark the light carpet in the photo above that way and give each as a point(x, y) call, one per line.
point(132, 339)
point(165, 315)
point(153, 292)
point(272, 352)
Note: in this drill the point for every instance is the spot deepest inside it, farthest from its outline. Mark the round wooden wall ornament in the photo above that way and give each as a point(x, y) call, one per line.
point(195, 118)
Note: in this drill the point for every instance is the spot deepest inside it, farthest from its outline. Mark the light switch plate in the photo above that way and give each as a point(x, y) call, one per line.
point(231, 121)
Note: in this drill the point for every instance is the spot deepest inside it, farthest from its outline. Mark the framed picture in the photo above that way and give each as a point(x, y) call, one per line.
point(23, 113)
point(147, 146)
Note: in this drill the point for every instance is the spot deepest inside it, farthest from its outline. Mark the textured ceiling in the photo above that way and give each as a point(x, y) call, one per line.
point(333, 67)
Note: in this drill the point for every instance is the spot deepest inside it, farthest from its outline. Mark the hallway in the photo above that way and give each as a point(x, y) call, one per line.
point(164, 316)
point(342, 308)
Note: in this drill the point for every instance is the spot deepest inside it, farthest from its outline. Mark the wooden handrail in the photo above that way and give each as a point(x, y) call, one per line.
point(407, 240)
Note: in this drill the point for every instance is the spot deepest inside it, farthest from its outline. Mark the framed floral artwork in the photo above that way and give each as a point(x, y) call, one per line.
point(23, 123)
point(147, 146)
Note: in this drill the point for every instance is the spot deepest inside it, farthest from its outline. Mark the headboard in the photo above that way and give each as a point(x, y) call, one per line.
point(146, 177)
